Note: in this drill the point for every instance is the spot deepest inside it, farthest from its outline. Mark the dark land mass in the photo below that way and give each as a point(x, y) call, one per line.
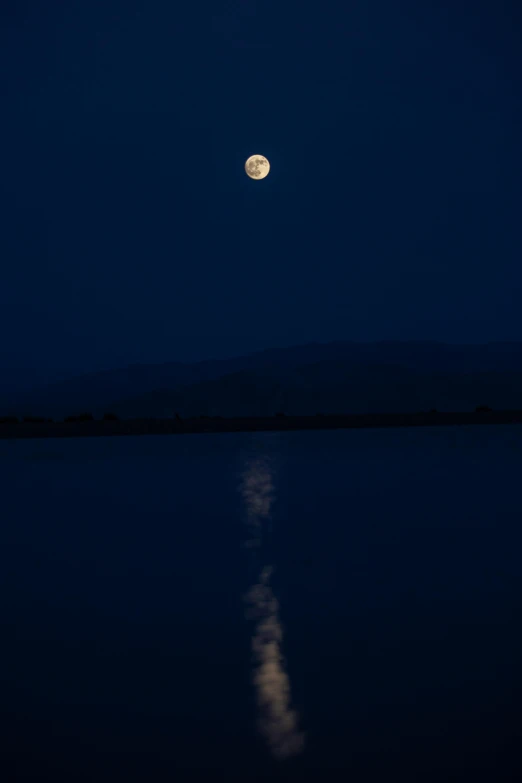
point(357, 378)
point(78, 429)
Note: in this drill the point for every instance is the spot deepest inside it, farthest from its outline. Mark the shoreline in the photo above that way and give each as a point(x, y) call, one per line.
point(100, 428)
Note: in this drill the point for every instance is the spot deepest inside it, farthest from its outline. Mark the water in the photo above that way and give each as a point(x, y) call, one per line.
point(262, 606)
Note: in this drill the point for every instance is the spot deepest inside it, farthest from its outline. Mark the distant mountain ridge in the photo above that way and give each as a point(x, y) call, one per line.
point(336, 377)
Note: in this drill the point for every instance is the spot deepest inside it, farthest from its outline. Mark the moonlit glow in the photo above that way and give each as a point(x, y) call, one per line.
point(257, 167)
point(277, 721)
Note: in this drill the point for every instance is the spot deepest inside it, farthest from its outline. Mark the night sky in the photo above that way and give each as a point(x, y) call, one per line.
point(130, 232)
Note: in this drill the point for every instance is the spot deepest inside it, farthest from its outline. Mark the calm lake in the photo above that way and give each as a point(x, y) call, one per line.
point(263, 606)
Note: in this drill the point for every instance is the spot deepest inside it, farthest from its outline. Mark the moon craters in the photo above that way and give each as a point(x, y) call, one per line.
point(257, 167)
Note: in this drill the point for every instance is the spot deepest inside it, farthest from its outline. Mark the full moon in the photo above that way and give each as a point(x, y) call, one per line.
point(257, 167)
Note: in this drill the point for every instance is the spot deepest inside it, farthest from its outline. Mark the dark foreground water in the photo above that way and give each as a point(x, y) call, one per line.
point(263, 607)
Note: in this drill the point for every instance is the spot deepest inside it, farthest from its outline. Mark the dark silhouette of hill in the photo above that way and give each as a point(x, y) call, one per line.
point(328, 389)
point(338, 377)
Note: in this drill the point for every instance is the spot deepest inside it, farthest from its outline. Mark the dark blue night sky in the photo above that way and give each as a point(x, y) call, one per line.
point(130, 233)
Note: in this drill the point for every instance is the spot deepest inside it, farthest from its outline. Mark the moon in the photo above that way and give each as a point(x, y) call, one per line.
point(257, 167)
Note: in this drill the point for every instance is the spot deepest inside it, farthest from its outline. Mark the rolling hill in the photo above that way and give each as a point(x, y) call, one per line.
point(339, 377)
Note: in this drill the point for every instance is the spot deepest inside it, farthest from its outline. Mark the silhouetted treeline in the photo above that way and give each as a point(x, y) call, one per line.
point(25, 420)
point(86, 417)
point(85, 425)
point(80, 417)
point(44, 420)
